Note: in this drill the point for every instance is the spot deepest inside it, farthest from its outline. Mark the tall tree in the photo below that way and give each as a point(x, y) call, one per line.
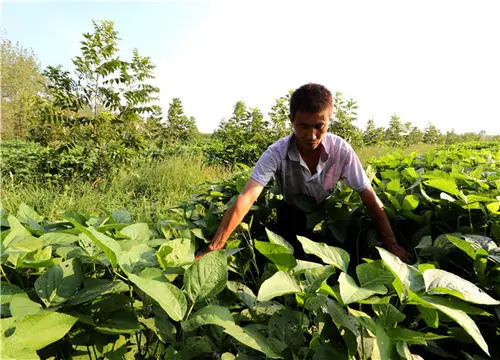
point(342, 125)
point(395, 130)
point(179, 126)
point(280, 123)
point(103, 81)
point(21, 89)
point(372, 134)
point(431, 134)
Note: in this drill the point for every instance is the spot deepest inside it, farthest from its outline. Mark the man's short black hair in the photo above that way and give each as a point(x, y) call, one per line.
point(311, 98)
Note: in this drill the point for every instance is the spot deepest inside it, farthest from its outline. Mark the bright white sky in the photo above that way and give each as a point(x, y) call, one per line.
point(427, 61)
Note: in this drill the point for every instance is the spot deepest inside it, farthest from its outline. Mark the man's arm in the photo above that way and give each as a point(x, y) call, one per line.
point(376, 211)
point(234, 215)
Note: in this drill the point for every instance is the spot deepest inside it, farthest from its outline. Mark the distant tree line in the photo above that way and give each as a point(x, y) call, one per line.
point(108, 106)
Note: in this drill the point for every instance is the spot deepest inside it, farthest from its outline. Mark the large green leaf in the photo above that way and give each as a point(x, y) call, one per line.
point(218, 315)
point(388, 315)
point(20, 306)
point(119, 322)
point(59, 283)
point(341, 318)
point(169, 297)
point(8, 292)
point(410, 277)
point(454, 311)
point(36, 259)
point(26, 212)
point(209, 315)
point(413, 337)
point(329, 254)
point(139, 233)
point(173, 253)
point(374, 275)
point(93, 288)
point(207, 277)
point(278, 254)
point(350, 292)
point(33, 332)
point(410, 202)
point(19, 239)
point(279, 240)
point(443, 282)
point(316, 276)
point(252, 338)
point(108, 245)
point(443, 184)
point(280, 283)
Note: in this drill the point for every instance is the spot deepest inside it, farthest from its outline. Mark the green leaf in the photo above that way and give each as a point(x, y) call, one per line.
point(410, 277)
point(209, 315)
point(279, 240)
point(329, 254)
point(250, 337)
point(410, 202)
point(207, 277)
point(287, 326)
point(374, 276)
point(108, 245)
point(169, 297)
point(33, 332)
point(24, 212)
point(443, 184)
point(174, 253)
point(443, 282)
point(59, 283)
point(36, 259)
point(93, 288)
point(121, 216)
point(430, 316)
point(280, 283)
point(341, 318)
point(350, 292)
point(119, 322)
point(277, 254)
point(8, 292)
point(316, 277)
point(453, 311)
point(20, 306)
point(19, 239)
point(413, 337)
point(463, 245)
point(388, 315)
point(218, 315)
point(58, 238)
point(139, 232)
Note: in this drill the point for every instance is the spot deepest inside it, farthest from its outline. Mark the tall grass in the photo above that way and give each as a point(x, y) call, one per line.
point(146, 189)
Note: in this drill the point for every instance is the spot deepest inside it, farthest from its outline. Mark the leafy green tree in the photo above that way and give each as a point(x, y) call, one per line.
point(415, 136)
point(372, 134)
point(432, 135)
point(103, 81)
point(180, 127)
point(451, 137)
point(395, 131)
point(280, 122)
point(342, 125)
point(21, 89)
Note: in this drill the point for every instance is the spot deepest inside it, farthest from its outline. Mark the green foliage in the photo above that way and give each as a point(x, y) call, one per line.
point(342, 125)
point(118, 287)
point(22, 87)
point(179, 127)
point(432, 135)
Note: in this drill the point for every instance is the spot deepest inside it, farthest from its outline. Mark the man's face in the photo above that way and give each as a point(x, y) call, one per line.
point(310, 128)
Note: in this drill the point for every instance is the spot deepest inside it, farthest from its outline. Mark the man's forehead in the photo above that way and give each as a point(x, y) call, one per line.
point(321, 116)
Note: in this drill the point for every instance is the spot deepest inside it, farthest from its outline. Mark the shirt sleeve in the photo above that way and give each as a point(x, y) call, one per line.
point(353, 173)
point(266, 167)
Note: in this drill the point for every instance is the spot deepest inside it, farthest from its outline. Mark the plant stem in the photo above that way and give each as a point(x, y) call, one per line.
point(4, 274)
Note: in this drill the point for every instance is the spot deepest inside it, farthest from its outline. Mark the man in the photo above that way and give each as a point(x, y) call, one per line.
point(308, 162)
